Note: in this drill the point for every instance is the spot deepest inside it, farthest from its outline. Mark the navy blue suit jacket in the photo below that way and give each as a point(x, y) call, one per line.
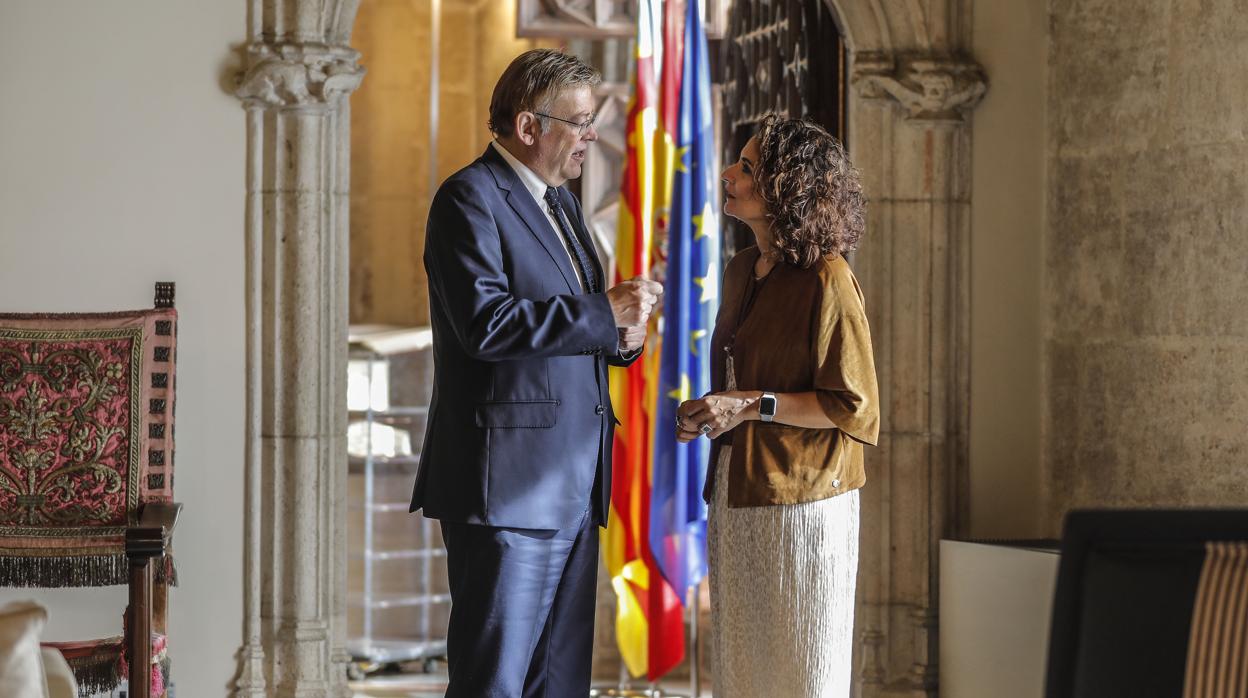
point(521, 421)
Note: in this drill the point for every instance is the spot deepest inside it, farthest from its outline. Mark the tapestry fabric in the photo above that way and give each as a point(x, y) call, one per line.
point(99, 666)
point(1217, 648)
point(86, 438)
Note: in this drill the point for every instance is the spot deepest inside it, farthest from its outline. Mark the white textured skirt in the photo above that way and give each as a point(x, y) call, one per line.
point(782, 595)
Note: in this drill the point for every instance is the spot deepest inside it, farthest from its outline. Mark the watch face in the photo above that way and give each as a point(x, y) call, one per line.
point(768, 406)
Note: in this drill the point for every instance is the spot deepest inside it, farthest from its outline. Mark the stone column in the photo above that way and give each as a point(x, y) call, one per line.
point(299, 75)
point(909, 136)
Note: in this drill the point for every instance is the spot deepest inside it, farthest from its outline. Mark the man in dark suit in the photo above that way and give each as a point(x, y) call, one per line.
point(516, 462)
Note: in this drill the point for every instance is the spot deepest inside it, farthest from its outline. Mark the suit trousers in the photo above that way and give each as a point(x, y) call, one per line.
point(522, 610)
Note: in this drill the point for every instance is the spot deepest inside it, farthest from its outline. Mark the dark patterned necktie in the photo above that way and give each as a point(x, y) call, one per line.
point(574, 245)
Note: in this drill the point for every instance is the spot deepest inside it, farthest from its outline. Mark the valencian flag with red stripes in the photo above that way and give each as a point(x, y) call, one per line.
point(690, 302)
point(648, 621)
point(655, 542)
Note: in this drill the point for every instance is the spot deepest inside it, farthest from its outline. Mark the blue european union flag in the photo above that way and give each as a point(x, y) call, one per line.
point(691, 298)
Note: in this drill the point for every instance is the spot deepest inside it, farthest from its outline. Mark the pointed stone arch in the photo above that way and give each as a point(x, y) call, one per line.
point(913, 87)
point(906, 127)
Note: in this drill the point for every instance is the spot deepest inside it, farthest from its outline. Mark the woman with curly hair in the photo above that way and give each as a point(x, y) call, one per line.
point(794, 399)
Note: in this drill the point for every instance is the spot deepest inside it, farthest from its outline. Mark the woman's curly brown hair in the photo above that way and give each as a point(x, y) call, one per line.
point(812, 194)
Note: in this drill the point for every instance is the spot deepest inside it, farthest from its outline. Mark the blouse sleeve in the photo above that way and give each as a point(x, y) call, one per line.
point(844, 380)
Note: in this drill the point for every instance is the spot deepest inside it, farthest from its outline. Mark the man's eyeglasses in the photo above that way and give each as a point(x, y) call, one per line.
point(582, 127)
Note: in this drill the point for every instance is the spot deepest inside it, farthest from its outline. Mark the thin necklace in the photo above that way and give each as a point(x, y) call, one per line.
point(763, 257)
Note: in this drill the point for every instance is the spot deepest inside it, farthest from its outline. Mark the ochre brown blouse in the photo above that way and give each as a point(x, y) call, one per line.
point(805, 331)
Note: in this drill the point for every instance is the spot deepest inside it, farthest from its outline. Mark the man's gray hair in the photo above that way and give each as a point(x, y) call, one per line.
point(532, 82)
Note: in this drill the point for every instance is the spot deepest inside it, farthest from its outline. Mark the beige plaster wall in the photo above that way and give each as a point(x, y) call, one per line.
point(121, 164)
point(1146, 341)
point(1007, 229)
point(390, 178)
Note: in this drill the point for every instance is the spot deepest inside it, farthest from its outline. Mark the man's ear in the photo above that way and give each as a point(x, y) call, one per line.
point(527, 127)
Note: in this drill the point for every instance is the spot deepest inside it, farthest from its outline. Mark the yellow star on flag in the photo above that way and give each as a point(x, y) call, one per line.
point(682, 393)
point(709, 284)
point(680, 158)
point(693, 344)
point(699, 220)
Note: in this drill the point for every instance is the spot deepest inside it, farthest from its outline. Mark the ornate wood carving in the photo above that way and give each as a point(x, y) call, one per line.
point(784, 57)
point(597, 19)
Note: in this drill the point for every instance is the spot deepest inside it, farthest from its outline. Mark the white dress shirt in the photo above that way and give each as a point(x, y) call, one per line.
point(537, 187)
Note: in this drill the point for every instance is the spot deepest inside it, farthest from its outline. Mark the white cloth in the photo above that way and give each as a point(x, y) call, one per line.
point(61, 682)
point(537, 187)
point(782, 594)
point(21, 661)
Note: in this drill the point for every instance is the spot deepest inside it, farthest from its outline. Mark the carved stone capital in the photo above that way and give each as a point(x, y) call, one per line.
point(930, 89)
point(298, 76)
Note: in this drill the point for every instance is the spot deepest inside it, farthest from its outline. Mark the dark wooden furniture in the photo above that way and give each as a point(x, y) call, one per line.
point(133, 547)
point(145, 543)
point(784, 57)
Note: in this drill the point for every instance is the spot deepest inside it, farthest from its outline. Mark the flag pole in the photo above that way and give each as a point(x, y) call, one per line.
point(695, 680)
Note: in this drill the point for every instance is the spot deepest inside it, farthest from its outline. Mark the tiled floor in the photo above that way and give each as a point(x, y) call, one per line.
point(402, 686)
point(434, 685)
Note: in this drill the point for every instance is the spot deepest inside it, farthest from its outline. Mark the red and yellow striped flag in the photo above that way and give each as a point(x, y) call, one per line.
point(648, 623)
point(666, 606)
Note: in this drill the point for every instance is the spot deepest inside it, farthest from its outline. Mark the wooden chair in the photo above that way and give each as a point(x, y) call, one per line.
point(86, 471)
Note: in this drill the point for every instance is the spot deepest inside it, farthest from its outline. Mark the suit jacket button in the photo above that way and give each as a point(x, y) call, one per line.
point(600, 410)
point(836, 484)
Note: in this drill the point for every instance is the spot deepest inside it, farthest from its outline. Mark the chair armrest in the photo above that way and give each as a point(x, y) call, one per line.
point(147, 540)
point(150, 537)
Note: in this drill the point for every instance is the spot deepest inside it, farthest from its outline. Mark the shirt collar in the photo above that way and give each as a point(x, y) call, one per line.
point(530, 179)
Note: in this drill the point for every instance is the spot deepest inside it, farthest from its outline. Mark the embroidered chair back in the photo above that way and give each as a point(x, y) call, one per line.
point(86, 439)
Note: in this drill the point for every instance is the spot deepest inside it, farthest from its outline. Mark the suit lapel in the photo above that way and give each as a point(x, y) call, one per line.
point(521, 201)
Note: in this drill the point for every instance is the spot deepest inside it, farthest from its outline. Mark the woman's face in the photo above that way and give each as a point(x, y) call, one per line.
point(741, 201)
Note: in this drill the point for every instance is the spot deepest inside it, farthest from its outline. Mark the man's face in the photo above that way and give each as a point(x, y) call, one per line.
point(560, 152)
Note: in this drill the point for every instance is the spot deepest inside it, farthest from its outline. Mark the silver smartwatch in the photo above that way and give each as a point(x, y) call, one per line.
point(767, 407)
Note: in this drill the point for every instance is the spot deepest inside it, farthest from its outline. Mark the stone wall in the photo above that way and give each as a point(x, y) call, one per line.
point(1146, 341)
point(391, 179)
